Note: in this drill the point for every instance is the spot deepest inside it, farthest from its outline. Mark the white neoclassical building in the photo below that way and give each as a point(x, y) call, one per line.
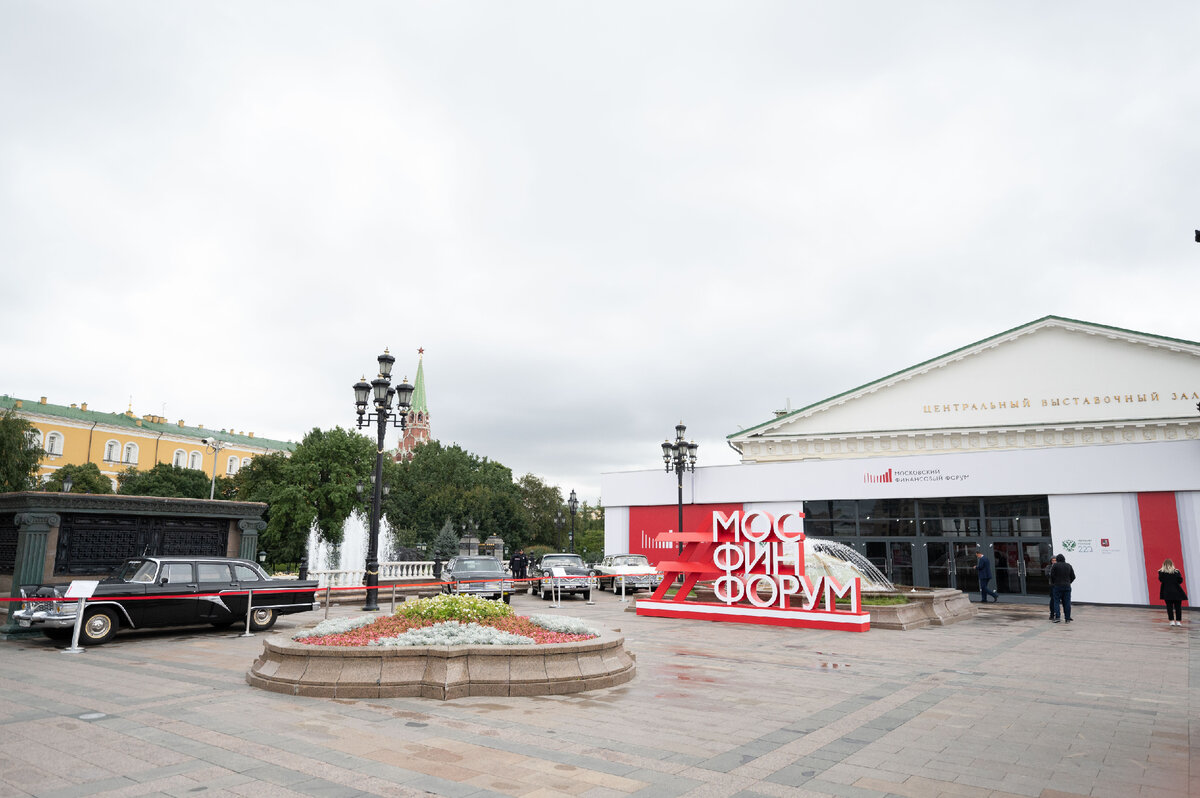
point(1059, 436)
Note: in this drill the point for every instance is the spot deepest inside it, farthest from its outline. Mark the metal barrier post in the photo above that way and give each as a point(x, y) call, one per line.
point(327, 602)
point(555, 593)
point(393, 598)
point(592, 587)
point(249, 609)
point(623, 599)
point(75, 649)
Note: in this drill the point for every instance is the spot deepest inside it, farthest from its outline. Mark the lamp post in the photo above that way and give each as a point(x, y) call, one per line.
point(67, 483)
point(215, 446)
point(573, 506)
point(381, 392)
point(559, 523)
point(680, 456)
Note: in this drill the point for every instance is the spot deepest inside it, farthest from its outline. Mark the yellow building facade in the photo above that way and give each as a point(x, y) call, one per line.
point(74, 435)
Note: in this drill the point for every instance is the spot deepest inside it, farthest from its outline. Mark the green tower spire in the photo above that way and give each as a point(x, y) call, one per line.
point(419, 404)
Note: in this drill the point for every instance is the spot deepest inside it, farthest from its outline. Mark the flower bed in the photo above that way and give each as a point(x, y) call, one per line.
point(443, 647)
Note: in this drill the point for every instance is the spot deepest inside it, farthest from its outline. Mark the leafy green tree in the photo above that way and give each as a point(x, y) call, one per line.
point(85, 478)
point(20, 453)
point(164, 479)
point(261, 480)
point(541, 502)
point(448, 482)
point(325, 468)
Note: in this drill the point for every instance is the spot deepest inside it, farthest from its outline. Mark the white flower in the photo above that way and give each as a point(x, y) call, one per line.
point(563, 624)
point(453, 633)
point(335, 626)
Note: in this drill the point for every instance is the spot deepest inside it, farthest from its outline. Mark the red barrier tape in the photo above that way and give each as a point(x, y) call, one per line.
point(260, 591)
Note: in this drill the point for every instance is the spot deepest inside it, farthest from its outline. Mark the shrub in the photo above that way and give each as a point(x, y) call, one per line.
point(447, 607)
point(336, 626)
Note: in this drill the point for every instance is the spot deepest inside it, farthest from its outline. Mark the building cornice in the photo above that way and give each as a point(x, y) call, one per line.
point(45, 501)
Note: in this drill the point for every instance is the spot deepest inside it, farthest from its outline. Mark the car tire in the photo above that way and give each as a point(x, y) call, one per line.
point(546, 595)
point(99, 626)
point(262, 619)
point(507, 599)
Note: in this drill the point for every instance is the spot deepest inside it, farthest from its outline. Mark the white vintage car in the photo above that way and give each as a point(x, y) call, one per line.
point(633, 571)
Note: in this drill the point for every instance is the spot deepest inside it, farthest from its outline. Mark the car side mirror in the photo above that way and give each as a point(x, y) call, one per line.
point(162, 581)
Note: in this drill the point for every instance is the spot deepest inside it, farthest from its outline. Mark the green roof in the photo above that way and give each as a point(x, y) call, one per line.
point(131, 422)
point(1034, 323)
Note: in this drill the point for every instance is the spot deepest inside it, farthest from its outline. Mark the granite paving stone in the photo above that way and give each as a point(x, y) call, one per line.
point(1000, 706)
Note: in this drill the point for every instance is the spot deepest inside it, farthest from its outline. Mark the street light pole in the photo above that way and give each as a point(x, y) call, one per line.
point(573, 506)
point(680, 456)
point(383, 394)
point(216, 446)
point(559, 523)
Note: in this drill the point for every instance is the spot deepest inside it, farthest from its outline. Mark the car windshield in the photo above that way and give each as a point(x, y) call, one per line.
point(560, 560)
point(478, 564)
point(135, 571)
point(631, 559)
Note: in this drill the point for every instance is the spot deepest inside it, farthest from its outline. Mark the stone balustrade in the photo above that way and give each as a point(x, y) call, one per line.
point(388, 572)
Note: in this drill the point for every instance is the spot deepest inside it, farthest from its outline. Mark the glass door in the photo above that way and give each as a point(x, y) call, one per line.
point(894, 558)
point(951, 565)
point(1021, 567)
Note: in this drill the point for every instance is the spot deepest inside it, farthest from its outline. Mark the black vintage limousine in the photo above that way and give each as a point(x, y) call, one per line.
point(166, 591)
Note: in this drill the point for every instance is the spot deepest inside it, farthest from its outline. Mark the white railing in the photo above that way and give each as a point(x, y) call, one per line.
point(388, 572)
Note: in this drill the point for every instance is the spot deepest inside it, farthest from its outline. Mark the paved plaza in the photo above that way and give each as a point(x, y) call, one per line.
point(1003, 705)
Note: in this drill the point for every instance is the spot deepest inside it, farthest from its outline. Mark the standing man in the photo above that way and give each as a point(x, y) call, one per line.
point(983, 568)
point(1061, 577)
point(517, 564)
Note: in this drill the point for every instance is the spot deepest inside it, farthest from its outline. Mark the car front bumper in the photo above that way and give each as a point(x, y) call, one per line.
point(44, 619)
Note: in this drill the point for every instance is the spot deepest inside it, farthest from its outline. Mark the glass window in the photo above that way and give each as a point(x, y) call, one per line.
point(110, 451)
point(131, 453)
point(887, 527)
point(177, 573)
point(894, 508)
point(54, 443)
point(196, 460)
point(213, 572)
point(179, 459)
point(231, 466)
point(244, 573)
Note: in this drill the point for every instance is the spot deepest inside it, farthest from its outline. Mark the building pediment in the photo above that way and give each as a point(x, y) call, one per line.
point(1051, 374)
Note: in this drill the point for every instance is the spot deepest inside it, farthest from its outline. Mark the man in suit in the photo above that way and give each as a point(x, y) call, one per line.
point(983, 568)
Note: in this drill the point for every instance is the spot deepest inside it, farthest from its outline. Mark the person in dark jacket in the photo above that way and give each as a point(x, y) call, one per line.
point(983, 569)
point(1170, 590)
point(1061, 577)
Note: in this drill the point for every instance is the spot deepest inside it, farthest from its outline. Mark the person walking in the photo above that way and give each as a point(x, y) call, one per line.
point(1170, 590)
point(983, 569)
point(1061, 577)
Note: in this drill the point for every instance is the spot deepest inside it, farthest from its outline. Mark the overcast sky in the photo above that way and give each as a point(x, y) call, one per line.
point(597, 218)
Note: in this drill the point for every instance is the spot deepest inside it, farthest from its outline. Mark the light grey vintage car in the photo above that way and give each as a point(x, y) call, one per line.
point(477, 576)
point(632, 572)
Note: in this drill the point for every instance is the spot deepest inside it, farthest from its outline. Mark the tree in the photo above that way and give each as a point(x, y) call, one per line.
point(445, 544)
point(541, 503)
point(448, 482)
point(85, 478)
point(20, 453)
point(165, 480)
point(323, 471)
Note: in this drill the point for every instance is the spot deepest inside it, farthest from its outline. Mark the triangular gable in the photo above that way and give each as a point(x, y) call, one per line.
point(1053, 371)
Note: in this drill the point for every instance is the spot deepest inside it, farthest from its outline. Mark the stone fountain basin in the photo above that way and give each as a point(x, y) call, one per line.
point(442, 672)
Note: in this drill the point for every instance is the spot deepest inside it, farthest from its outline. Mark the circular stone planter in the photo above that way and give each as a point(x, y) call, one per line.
point(444, 672)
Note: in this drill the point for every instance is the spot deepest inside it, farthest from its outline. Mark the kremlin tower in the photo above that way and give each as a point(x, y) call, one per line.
point(416, 430)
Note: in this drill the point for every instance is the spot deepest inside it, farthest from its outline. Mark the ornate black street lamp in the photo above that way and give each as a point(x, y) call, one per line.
point(559, 523)
point(67, 483)
point(573, 506)
point(381, 392)
point(680, 456)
